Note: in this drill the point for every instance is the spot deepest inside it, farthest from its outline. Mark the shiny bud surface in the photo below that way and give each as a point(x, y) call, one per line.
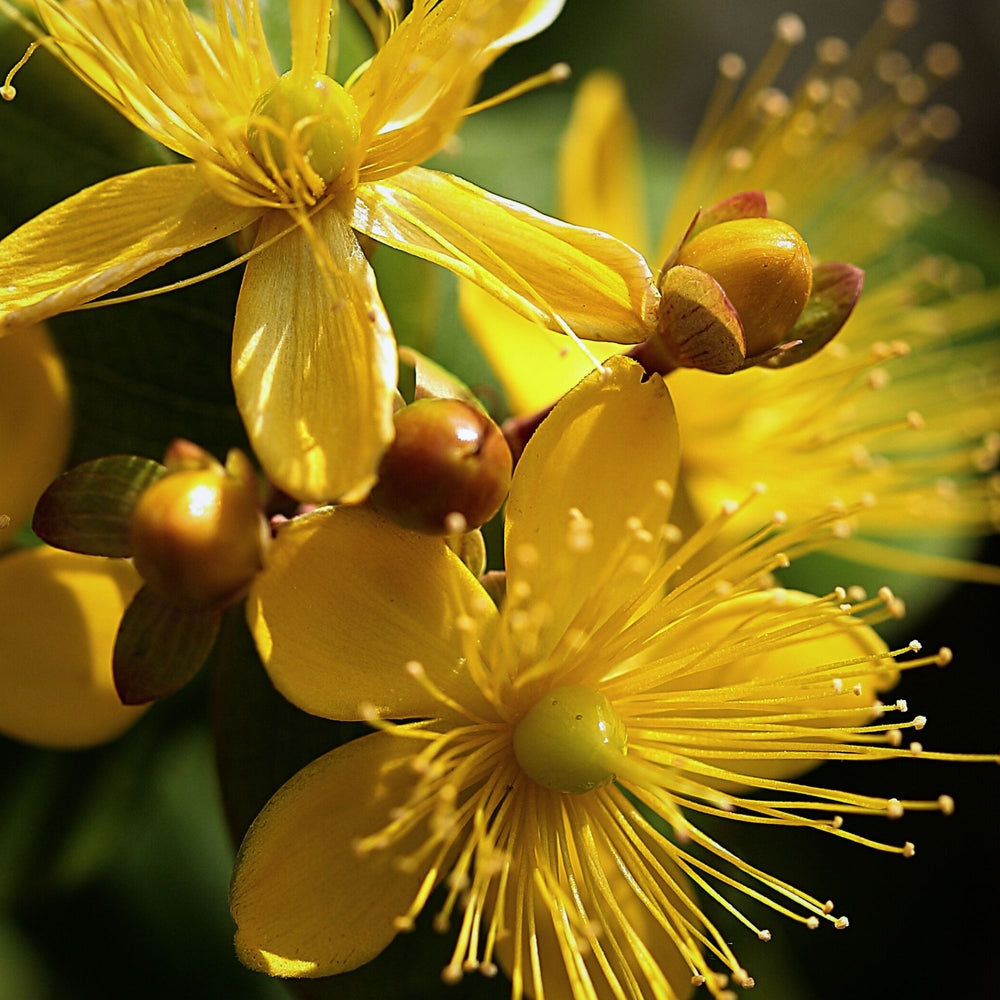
point(197, 538)
point(570, 740)
point(763, 266)
point(310, 116)
point(448, 458)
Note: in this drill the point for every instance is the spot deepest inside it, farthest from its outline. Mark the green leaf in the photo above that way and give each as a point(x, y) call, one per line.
point(160, 647)
point(89, 508)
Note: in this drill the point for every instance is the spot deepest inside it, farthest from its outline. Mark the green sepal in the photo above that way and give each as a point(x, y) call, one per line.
point(160, 647)
point(89, 509)
point(835, 291)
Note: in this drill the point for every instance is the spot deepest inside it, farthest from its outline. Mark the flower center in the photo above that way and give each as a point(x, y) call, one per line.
point(304, 121)
point(571, 740)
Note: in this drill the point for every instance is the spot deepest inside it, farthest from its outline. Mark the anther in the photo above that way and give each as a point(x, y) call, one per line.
point(841, 923)
point(789, 29)
point(916, 748)
point(915, 645)
point(764, 935)
point(894, 737)
point(697, 980)
point(828, 906)
point(946, 804)
point(452, 973)
point(455, 523)
point(837, 823)
point(488, 969)
point(902, 705)
point(944, 656)
point(909, 850)
point(914, 420)
point(812, 923)
point(894, 809)
point(919, 722)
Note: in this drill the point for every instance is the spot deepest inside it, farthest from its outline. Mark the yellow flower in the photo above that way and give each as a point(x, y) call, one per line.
point(571, 738)
point(35, 424)
point(905, 404)
point(61, 613)
point(308, 163)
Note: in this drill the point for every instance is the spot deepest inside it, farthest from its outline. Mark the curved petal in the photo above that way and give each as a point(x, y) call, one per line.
point(314, 360)
point(57, 632)
point(305, 903)
point(834, 641)
point(35, 423)
point(535, 366)
point(537, 16)
point(347, 600)
point(413, 93)
point(606, 450)
point(106, 236)
point(600, 176)
point(553, 273)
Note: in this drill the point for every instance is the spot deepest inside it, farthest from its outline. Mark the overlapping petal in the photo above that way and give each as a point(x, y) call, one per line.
point(304, 902)
point(35, 423)
point(60, 616)
point(347, 600)
point(610, 451)
point(556, 274)
point(106, 236)
point(314, 360)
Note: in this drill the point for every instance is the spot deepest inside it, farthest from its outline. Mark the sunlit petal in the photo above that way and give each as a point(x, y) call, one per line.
point(388, 597)
point(560, 275)
point(314, 360)
point(609, 451)
point(106, 236)
point(304, 902)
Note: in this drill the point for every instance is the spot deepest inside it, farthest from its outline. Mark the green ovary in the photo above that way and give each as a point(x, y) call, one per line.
point(329, 125)
point(571, 740)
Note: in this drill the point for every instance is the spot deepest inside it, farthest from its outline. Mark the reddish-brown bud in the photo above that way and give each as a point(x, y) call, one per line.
point(448, 458)
point(197, 538)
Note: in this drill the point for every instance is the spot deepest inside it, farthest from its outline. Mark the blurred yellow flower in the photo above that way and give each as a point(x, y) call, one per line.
point(35, 424)
point(571, 738)
point(57, 632)
point(307, 163)
point(905, 404)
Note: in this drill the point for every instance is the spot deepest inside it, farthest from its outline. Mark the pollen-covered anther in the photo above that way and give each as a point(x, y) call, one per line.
point(919, 722)
point(841, 923)
point(856, 690)
point(916, 749)
point(914, 420)
point(764, 935)
point(663, 489)
point(452, 973)
point(778, 518)
point(838, 685)
point(894, 737)
point(894, 809)
point(902, 705)
point(915, 645)
point(828, 906)
point(909, 849)
point(944, 656)
point(488, 969)
point(946, 804)
point(812, 923)
point(698, 980)
point(743, 978)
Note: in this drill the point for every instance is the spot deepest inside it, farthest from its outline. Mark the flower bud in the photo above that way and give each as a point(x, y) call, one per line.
point(197, 538)
point(448, 458)
point(308, 116)
point(763, 266)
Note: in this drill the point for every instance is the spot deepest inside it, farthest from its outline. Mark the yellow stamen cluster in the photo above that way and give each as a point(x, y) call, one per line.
point(522, 826)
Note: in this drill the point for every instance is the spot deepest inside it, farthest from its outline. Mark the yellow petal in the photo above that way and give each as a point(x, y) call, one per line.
point(536, 17)
point(609, 450)
point(534, 365)
point(803, 653)
point(57, 631)
point(106, 236)
point(35, 423)
point(600, 180)
point(551, 272)
point(314, 360)
point(304, 902)
point(347, 600)
point(412, 95)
